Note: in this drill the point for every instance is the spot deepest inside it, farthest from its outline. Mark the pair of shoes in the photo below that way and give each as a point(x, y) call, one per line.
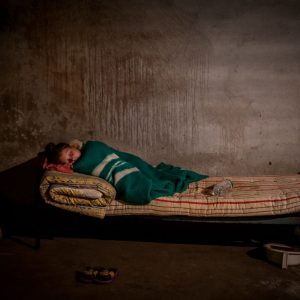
point(98, 275)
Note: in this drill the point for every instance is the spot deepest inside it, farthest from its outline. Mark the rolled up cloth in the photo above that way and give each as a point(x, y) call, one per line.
point(76, 192)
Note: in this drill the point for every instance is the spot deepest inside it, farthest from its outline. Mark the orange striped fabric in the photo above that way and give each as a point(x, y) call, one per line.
point(250, 196)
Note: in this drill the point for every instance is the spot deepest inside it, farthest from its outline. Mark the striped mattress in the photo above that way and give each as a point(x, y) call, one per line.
point(250, 196)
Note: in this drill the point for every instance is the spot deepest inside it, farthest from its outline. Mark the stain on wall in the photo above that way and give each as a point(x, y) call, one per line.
point(208, 86)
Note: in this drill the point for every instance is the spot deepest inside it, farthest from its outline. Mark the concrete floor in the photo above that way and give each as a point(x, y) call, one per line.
point(148, 270)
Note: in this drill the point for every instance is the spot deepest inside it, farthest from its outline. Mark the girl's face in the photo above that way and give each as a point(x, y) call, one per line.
point(69, 155)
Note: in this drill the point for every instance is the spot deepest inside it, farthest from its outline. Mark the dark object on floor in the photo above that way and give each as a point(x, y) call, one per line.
point(98, 275)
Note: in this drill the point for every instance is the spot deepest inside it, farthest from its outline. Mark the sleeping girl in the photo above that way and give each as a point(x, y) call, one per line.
point(135, 180)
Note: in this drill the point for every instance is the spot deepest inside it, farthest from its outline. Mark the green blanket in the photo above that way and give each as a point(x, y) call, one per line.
point(136, 181)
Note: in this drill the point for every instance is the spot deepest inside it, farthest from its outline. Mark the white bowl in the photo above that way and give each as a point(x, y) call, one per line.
point(283, 255)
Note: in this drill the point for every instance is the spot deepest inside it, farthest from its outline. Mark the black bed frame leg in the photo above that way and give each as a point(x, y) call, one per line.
point(37, 237)
point(37, 224)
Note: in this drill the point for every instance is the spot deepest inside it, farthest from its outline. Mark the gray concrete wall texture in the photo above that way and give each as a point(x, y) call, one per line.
point(211, 86)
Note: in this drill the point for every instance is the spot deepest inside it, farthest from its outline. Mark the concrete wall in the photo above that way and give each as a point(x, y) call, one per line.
point(208, 85)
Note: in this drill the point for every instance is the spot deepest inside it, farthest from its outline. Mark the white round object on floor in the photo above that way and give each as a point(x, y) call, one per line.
point(283, 255)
